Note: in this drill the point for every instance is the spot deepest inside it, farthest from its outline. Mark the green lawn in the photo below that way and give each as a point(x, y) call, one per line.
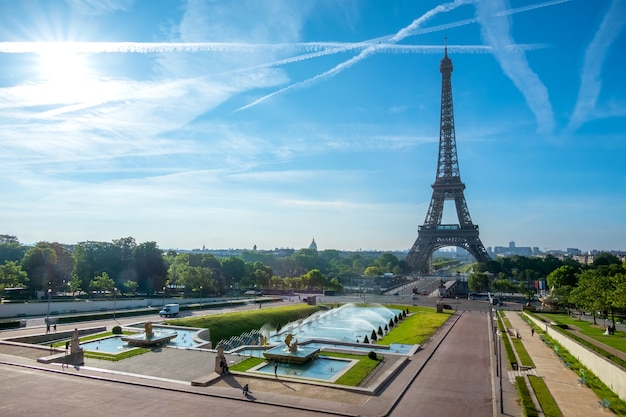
point(616, 341)
point(224, 326)
point(417, 327)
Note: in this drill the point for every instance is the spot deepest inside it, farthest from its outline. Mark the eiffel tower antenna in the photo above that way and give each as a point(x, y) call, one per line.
point(433, 235)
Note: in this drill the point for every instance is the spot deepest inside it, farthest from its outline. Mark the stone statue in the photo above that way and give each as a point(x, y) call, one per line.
point(221, 366)
point(75, 345)
point(148, 329)
point(293, 347)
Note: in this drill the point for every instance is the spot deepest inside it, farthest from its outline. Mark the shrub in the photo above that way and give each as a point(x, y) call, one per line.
point(372, 355)
point(116, 330)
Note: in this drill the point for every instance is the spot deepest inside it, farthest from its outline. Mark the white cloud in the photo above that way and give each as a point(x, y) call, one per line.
point(496, 32)
point(611, 27)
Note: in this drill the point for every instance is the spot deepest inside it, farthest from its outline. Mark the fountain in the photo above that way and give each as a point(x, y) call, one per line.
point(292, 352)
point(149, 337)
point(345, 324)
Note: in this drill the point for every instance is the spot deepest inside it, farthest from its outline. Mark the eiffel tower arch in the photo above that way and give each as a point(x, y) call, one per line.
point(433, 235)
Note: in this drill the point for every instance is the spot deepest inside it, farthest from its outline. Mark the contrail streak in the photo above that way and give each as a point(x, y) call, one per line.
point(410, 30)
point(403, 33)
point(610, 28)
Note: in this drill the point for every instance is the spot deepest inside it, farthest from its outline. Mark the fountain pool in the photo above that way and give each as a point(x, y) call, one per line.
point(348, 323)
point(115, 344)
point(324, 369)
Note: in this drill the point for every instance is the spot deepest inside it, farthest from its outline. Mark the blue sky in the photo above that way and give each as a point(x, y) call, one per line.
point(243, 122)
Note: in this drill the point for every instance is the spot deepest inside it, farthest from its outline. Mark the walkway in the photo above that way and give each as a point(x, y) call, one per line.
point(572, 399)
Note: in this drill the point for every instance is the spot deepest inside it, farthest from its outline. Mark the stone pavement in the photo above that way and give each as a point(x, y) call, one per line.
point(172, 370)
point(572, 399)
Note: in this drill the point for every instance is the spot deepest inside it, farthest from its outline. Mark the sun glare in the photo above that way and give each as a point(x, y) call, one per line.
point(59, 64)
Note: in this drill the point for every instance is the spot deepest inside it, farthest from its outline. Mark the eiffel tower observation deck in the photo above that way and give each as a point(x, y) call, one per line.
point(433, 235)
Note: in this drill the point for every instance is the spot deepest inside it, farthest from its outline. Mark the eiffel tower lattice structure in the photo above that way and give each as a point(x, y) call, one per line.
point(433, 235)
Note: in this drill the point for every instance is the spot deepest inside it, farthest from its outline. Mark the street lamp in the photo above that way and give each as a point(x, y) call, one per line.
point(163, 296)
point(49, 294)
point(114, 300)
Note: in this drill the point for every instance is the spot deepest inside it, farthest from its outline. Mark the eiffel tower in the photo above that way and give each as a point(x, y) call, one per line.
point(433, 235)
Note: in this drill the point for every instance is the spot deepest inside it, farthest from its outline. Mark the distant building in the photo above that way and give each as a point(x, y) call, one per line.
point(313, 245)
point(512, 250)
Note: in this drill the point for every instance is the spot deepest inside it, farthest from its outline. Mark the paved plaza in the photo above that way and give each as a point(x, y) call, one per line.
point(453, 374)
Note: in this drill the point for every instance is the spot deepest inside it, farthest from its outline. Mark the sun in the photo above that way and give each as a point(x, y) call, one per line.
point(60, 64)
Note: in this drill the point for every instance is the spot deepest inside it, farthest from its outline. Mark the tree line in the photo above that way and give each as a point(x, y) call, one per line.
point(130, 267)
point(598, 287)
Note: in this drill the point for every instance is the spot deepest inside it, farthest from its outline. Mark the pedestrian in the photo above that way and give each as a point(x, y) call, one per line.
point(55, 327)
point(276, 369)
point(47, 327)
point(67, 346)
point(532, 331)
point(245, 390)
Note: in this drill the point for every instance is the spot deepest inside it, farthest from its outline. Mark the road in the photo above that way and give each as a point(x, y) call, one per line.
point(456, 381)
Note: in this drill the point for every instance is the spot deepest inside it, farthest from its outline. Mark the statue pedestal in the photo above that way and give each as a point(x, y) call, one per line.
point(75, 358)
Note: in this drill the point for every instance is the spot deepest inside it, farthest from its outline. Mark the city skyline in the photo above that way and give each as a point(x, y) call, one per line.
point(269, 123)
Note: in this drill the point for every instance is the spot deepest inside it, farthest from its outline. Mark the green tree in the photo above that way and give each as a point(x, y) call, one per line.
point(315, 279)
point(150, 267)
point(131, 286)
point(75, 284)
point(605, 258)
point(123, 260)
point(478, 282)
point(234, 270)
point(335, 285)
point(12, 275)
point(102, 283)
point(11, 249)
point(502, 285)
point(40, 264)
point(564, 275)
point(386, 262)
point(306, 260)
point(372, 271)
point(593, 293)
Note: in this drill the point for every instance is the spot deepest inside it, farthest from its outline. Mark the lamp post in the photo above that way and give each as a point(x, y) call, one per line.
point(163, 296)
point(114, 300)
point(49, 295)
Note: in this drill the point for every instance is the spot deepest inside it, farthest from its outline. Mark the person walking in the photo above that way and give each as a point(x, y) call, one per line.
point(532, 331)
point(276, 369)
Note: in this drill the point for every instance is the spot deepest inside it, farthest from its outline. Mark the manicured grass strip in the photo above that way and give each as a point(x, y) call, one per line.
point(522, 354)
point(416, 328)
point(545, 398)
point(246, 364)
point(508, 348)
point(528, 406)
point(115, 356)
point(224, 326)
point(90, 337)
point(355, 375)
